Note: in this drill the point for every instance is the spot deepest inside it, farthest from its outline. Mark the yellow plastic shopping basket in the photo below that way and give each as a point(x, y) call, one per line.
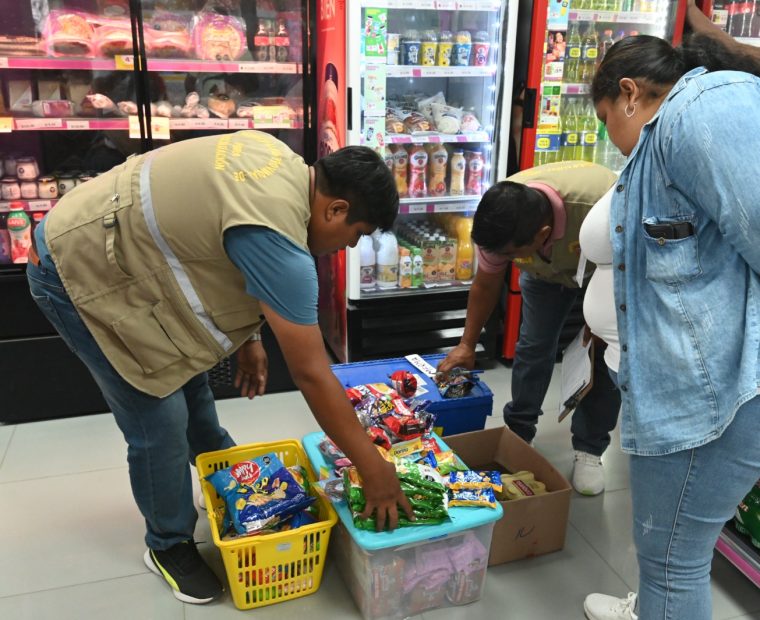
point(270, 568)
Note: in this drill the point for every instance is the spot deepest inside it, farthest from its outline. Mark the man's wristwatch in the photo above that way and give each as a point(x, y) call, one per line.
point(256, 337)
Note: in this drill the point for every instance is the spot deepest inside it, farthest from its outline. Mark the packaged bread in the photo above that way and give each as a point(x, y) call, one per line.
point(108, 41)
point(393, 122)
point(415, 123)
point(424, 105)
point(68, 33)
point(448, 119)
point(470, 122)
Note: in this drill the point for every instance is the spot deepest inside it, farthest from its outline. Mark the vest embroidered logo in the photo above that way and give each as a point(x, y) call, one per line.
point(246, 472)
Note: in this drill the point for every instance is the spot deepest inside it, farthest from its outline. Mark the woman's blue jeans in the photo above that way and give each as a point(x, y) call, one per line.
point(680, 503)
point(163, 435)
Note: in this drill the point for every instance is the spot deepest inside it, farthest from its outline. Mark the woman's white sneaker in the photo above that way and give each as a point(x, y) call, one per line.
point(604, 607)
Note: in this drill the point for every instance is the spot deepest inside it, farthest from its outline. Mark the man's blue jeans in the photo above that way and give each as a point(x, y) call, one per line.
point(545, 307)
point(680, 503)
point(163, 435)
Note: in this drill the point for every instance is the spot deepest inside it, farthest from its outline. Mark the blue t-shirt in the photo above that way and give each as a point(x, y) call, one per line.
point(276, 271)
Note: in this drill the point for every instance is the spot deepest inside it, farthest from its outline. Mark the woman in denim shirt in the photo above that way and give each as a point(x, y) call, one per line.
point(685, 232)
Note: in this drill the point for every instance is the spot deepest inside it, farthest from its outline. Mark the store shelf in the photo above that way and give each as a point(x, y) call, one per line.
point(406, 71)
point(442, 204)
point(619, 17)
point(29, 205)
point(435, 5)
point(122, 124)
point(749, 41)
point(738, 550)
point(69, 124)
point(437, 138)
point(126, 63)
point(427, 289)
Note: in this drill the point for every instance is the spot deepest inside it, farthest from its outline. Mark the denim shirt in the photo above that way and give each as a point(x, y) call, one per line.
point(688, 309)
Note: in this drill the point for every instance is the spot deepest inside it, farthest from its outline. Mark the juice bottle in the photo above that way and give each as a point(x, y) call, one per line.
point(5, 241)
point(387, 261)
point(405, 268)
point(458, 164)
point(587, 125)
point(573, 53)
point(20, 232)
point(589, 54)
point(437, 158)
point(400, 162)
point(569, 124)
point(418, 161)
point(465, 249)
point(417, 268)
point(447, 259)
point(367, 279)
point(430, 259)
point(474, 180)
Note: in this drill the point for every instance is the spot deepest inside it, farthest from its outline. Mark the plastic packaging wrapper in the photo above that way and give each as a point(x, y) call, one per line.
point(108, 41)
point(218, 37)
point(458, 480)
point(519, 485)
point(68, 33)
point(259, 493)
point(422, 486)
point(59, 108)
point(458, 383)
point(473, 497)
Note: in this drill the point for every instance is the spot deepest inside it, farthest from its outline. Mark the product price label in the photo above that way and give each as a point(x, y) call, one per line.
point(3, 62)
point(40, 205)
point(39, 123)
point(77, 124)
point(6, 124)
point(446, 5)
point(239, 123)
point(159, 126)
point(124, 62)
point(448, 208)
point(417, 208)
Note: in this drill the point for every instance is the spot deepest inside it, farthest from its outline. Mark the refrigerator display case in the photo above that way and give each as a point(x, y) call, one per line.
point(85, 84)
point(425, 84)
point(567, 42)
point(740, 19)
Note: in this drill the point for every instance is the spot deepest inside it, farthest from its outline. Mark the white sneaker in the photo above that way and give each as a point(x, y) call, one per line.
point(588, 474)
point(603, 607)
point(202, 501)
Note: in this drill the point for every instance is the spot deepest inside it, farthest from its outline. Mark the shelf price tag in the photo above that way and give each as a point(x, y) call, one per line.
point(3, 62)
point(240, 123)
point(159, 127)
point(124, 62)
point(6, 124)
point(417, 208)
point(77, 124)
point(446, 5)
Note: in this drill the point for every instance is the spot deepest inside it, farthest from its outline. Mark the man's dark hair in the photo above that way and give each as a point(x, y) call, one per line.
point(510, 213)
point(359, 175)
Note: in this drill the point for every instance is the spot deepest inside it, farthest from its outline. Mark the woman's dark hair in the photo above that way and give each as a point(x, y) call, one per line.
point(510, 213)
point(661, 65)
point(359, 175)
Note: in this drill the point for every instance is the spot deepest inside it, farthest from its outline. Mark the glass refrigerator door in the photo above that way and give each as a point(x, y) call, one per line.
point(63, 110)
point(575, 40)
point(226, 65)
point(424, 78)
point(739, 18)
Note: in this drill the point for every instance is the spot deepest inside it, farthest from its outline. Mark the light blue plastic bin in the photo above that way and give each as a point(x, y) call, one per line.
point(375, 565)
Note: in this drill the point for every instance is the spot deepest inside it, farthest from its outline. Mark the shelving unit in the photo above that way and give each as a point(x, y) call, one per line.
point(737, 549)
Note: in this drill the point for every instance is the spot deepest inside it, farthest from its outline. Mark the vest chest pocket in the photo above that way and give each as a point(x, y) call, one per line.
point(154, 337)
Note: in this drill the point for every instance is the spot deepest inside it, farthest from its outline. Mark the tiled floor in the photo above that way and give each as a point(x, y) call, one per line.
point(71, 538)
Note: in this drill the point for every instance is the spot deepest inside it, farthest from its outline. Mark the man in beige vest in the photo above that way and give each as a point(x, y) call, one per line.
point(160, 268)
point(534, 218)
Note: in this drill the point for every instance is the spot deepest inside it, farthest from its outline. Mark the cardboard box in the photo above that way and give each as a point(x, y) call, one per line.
point(530, 526)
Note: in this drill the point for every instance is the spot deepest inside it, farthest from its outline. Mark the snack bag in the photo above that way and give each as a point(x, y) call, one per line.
point(259, 493)
point(449, 462)
point(459, 383)
point(473, 497)
point(458, 480)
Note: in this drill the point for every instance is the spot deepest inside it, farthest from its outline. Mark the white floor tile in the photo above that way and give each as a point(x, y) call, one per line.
point(67, 446)
point(6, 433)
point(128, 598)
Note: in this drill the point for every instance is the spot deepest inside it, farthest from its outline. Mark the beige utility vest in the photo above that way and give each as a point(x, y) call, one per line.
point(580, 184)
point(140, 251)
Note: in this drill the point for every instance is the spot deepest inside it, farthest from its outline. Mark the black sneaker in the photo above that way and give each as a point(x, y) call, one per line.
point(191, 579)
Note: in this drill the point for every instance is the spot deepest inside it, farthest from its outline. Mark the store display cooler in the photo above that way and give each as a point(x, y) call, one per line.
point(427, 84)
point(85, 84)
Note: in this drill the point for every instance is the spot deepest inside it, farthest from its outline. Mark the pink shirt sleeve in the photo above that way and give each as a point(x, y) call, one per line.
point(490, 262)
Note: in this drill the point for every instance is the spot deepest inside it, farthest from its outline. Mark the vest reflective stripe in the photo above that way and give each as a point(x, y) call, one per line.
point(177, 269)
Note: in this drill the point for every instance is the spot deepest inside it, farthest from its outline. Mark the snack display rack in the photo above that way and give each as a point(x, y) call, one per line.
point(86, 83)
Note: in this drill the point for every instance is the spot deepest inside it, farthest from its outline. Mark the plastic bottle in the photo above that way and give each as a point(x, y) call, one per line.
point(282, 41)
point(458, 164)
point(465, 249)
point(387, 261)
point(20, 233)
point(430, 255)
point(589, 54)
point(447, 262)
point(376, 239)
point(573, 53)
point(5, 241)
point(605, 43)
point(437, 158)
point(569, 126)
point(404, 268)
point(417, 268)
point(367, 277)
point(587, 132)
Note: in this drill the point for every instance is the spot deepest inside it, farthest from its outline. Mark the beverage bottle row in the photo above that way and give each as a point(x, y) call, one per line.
point(743, 17)
point(585, 50)
point(431, 170)
point(420, 254)
point(578, 133)
point(636, 6)
point(16, 228)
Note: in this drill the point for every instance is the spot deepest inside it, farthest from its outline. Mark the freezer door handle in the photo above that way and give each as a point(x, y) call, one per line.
point(529, 108)
point(350, 100)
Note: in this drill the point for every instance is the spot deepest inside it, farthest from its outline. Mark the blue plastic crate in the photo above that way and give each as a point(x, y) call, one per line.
point(453, 415)
point(461, 518)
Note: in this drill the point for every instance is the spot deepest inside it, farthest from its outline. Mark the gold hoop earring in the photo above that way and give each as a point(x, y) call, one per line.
point(630, 113)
